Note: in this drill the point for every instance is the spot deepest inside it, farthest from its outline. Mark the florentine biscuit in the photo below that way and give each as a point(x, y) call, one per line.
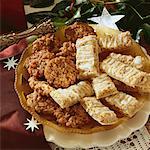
point(41, 87)
point(61, 72)
point(78, 30)
point(36, 63)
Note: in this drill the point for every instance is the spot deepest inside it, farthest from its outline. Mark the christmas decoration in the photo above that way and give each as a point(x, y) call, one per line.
point(32, 124)
point(106, 19)
point(11, 63)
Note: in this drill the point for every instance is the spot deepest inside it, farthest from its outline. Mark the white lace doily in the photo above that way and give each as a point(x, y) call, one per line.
point(138, 140)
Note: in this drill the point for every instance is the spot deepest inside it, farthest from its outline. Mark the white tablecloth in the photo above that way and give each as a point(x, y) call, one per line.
point(138, 140)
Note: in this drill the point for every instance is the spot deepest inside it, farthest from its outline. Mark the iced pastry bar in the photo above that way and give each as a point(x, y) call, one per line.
point(87, 60)
point(98, 111)
point(125, 73)
point(103, 86)
point(123, 87)
point(115, 43)
point(136, 62)
point(71, 95)
point(125, 103)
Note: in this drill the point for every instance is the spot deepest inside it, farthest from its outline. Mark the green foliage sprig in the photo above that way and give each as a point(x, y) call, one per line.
point(137, 14)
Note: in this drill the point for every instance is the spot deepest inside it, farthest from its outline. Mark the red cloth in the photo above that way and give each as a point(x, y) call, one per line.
point(12, 118)
point(12, 16)
point(13, 50)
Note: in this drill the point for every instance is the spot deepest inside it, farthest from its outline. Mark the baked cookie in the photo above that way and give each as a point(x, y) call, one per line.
point(74, 117)
point(61, 72)
point(78, 30)
point(115, 43)
point(103, 86)
point(71, 95)
point(87, 60)
point(36, 63)
point(41, 104)
point(98, 111)
point(46, 42)
point(41, 87)
point(68, 50)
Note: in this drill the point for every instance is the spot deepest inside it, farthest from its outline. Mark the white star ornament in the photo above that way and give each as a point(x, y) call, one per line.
point(11, 63)
point(32, 124)
point(107, 20)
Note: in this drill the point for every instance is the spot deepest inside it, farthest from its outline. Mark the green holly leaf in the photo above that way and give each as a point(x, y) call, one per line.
point(36, 17)
point(58, 22)
point(76, 15)
point(61, 6)
point(146, 32)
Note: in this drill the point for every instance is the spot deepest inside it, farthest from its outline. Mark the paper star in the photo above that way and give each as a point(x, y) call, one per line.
point(32, 124)
point(106, 19)
point(11, 63)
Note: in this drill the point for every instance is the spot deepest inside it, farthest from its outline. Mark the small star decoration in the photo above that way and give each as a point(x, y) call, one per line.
point(32, 124)
point(11, 63)
point(106, 19)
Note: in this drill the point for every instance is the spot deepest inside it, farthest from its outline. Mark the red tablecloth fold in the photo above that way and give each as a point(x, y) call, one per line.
point(12, 118)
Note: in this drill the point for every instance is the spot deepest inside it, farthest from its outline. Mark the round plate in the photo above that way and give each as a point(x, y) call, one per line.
point(71, 140)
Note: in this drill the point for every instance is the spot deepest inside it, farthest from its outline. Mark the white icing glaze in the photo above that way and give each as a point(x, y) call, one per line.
point(137, 60)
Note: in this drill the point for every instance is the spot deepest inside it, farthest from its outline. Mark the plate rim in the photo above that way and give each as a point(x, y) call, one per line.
point(120, 132)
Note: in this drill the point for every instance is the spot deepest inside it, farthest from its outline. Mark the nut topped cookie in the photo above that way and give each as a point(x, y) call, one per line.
point(60, 72)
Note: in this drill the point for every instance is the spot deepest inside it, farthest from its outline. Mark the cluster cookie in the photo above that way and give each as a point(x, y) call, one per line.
point(61, 72)
point(78, 30)
point(36, 63)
